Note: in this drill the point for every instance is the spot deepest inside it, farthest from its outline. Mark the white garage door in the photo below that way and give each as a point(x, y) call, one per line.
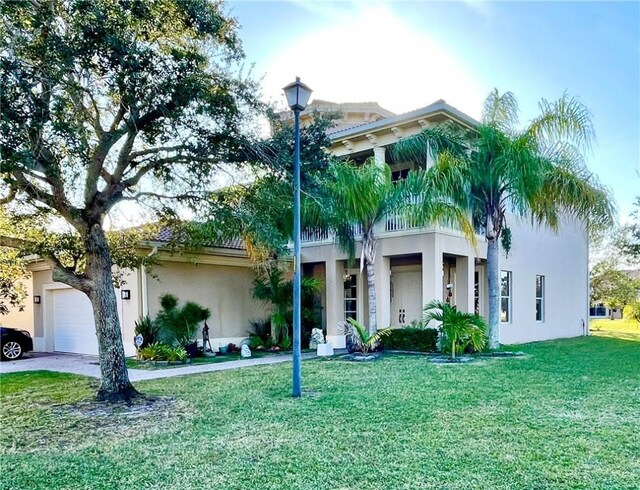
point(73, 326)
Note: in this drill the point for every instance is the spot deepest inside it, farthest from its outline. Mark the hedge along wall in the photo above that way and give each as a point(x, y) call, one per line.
point(412, 339)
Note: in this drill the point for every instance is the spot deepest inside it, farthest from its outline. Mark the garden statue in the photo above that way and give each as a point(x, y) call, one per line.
point(245, 351)
point(317, 337)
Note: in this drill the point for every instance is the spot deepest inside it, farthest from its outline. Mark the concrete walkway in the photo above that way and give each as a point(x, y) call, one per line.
point(88, 365)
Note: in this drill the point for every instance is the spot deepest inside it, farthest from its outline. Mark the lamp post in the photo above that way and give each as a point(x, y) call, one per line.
point(297, 94)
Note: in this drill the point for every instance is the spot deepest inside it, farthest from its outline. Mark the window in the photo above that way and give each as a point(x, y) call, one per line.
point(351, 297)
point(539, 298)
point(505, 296)
point(401, 174)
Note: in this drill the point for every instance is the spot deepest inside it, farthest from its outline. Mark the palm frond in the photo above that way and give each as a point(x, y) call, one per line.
point(500, 110)
point(571, 190)
point(432, 142)
point(565, 119)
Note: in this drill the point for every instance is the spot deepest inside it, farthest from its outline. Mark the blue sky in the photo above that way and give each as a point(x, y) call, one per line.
point(406, 55)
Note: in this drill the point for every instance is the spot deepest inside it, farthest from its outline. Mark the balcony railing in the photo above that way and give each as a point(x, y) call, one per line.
point(398, 220)
point(394, 222)
point(315, 234)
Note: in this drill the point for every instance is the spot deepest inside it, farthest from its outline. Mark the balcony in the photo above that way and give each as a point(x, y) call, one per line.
point(395, 222)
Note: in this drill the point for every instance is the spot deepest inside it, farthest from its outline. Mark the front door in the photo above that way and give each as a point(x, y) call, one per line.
point(406, 302)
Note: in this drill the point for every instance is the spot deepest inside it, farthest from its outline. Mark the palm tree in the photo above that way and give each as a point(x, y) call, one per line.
point(459, 330)
point(356, 198)
point(273, 290)
point(363, 340)
point(538, 172)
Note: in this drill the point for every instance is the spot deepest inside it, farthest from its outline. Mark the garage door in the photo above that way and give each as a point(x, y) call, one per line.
point(73, 326)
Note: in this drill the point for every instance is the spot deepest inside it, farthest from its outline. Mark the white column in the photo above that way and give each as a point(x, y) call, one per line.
point(383, 291)
point(464, 288)
point(334, 285)
point(379, 154)
point(431, 271)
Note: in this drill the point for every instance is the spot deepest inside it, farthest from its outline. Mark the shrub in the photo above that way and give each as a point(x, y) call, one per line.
point(360, 337)
point(260, 329)
point(286, 343)
point(632, 312)
point(175, 354)
point(148, 329)
point(412, 339)
point(162, 352)
point(179, 324)
point(255, 342)
point(461, 332)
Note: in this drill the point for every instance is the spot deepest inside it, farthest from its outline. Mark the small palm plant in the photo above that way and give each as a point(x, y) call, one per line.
point(362, 339)
point(459, 330)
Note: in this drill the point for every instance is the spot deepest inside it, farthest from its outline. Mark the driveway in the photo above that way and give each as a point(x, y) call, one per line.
point(88, 365)
point(45, 361)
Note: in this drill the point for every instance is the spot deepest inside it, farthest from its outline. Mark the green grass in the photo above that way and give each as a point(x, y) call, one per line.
point(620, 329)
point(565, 416)
point(235, 356)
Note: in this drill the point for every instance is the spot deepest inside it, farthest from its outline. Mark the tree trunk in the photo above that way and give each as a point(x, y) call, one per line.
point(371, 290)
point(369, 257)
point(493, 278)
point(114, 385)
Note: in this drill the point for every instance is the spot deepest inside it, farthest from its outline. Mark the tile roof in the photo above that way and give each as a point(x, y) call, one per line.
point(439, 105)
point(165, 236)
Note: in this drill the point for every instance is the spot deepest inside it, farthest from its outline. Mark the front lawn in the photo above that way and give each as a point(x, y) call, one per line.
point(563, 416)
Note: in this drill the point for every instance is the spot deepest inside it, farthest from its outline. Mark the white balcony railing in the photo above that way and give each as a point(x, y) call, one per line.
point(315, 234)
point(393, 222)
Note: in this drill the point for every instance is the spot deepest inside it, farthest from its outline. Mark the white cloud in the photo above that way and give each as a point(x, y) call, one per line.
point(373, 55)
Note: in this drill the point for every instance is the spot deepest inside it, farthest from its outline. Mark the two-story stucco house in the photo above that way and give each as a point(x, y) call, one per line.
point(544, 277)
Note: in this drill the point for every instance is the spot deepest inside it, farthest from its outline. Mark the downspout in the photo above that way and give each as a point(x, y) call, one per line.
point(585, 323)
point(143, 284)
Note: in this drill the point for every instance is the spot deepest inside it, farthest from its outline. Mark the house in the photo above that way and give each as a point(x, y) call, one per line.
point(219, 278)
point(600, 310)
point(544, 277)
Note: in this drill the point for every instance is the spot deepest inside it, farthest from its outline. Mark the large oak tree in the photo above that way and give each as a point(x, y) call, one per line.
point(107, 101)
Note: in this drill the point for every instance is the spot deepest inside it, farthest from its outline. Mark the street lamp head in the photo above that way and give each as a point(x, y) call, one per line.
point(297, 94)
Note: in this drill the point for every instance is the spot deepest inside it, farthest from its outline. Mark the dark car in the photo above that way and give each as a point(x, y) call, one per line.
point(15, 342)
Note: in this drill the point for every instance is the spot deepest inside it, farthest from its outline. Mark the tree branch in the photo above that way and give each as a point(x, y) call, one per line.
point(9, 197)
point(59, 272)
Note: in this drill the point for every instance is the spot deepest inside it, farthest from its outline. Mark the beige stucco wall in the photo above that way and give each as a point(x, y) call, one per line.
point(40, 279)
point(225, 290)
point(21, 319)
point(129, 310)
point(563, 259)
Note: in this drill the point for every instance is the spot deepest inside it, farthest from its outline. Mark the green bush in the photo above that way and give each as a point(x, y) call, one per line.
point(162, 352)
point(632, 312)
point(412, 339)
point(460, 331)
point(361, 339)
point(179, 324)
point(255, 342)
point(260, 329)
point(148, 329)
point(286, 343)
